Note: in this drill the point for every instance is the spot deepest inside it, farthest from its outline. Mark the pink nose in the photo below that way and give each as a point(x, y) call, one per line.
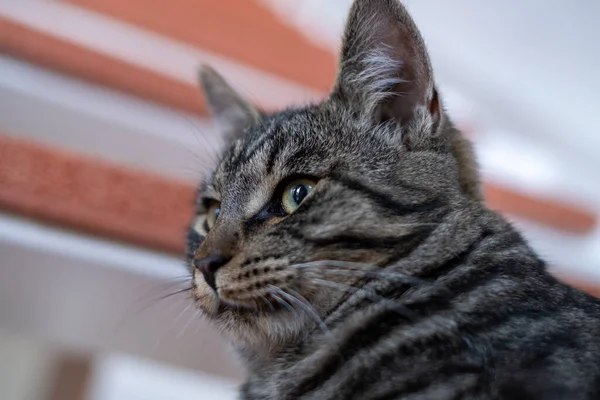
point(209, 265)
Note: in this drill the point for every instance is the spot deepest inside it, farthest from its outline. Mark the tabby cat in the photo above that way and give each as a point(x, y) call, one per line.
point(344, 250)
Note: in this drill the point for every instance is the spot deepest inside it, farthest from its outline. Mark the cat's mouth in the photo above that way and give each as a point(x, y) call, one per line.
point(262, 285)
point(213, 305)
point(239, 297)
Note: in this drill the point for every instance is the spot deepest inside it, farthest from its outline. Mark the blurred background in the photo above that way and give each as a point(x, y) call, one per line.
point(104, 134)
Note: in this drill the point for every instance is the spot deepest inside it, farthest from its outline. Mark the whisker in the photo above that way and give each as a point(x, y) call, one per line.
point(189, 172)
point(205, 161)
point(362, 268)
point(302, 302)
point(162, 336)
point(182, 312)
point(175, 279)
point(187, 324)
point(133, 311)
point(201, 165)
point(268, 302)
point(197, 313)
point(284, 303)
point(212, 147)
point(310, 311)
point(376, 274)
point(166, 296)
point(167, 284)
point(400, 308)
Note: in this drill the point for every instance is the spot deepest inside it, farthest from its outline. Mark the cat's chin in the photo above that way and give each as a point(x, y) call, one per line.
point(259, 331)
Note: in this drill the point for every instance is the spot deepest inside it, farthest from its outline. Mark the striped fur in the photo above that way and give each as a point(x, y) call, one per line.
point(391, 280)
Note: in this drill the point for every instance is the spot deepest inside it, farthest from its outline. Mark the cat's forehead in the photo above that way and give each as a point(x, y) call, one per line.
point(304, 142)
point(282, 143)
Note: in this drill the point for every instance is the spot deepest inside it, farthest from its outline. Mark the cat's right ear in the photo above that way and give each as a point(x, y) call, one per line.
point(231, 111)
point(384, 70)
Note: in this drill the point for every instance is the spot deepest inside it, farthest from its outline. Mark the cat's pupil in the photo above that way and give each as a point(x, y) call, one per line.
point(299, 193)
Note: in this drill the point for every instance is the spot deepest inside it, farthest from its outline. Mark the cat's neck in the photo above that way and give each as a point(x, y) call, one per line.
point(446, 246)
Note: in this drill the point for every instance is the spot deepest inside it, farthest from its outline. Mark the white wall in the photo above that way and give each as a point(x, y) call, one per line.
point(89, 294)
point(25, 367)
point(118, 377)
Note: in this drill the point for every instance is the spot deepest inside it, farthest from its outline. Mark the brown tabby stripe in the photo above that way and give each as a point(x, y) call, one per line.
point(384, 334)
point(374, 327)
point(385, 201)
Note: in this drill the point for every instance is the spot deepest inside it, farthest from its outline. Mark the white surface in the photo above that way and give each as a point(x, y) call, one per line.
point(128, 378)
point(25, 368)
point(531, 64)
point(91, 294)
point(20, 232)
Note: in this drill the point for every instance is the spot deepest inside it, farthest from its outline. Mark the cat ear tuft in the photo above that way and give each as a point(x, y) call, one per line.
point(384, 66)
point(232, 112)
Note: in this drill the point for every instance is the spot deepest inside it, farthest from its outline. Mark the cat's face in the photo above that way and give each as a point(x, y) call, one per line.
point(308, 203)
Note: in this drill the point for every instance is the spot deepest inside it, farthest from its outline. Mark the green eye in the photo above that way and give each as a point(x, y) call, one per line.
point(295, 192)
point(212, 214)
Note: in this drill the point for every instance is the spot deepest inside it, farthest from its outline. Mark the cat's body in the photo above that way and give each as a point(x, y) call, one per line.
point(344, 249)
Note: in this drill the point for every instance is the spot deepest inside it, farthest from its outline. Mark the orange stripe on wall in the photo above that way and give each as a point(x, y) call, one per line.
point(240, 29)
point(93, 196)
point(80, 62)
point(550, 212)
point(586, 286)
point(140, 207)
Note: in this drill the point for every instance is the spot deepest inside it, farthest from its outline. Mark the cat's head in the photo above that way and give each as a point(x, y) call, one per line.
point(306, 200)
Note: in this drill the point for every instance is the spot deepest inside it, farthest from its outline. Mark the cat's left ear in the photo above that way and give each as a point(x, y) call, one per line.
point(232, 112)
point(384, 67)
